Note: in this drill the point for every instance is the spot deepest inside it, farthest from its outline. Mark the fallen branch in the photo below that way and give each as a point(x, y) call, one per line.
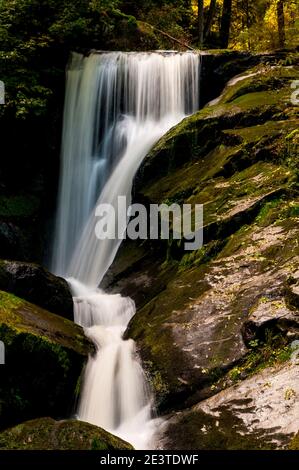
point(169, 36)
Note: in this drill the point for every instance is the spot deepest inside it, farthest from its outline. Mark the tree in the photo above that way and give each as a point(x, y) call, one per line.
point(210, 17)
point(281, 23)
point(200, 5)
point(225, 23)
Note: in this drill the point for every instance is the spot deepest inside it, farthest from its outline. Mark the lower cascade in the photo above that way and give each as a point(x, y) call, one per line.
point(114, 395)
point(117, 106)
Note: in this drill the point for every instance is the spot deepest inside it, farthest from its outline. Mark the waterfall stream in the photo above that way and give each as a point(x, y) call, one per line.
point(117, 107)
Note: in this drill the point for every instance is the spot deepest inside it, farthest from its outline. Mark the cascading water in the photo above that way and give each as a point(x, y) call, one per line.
point(117, 107)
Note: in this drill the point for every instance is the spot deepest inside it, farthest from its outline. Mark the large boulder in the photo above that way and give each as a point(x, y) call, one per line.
point(44, 358)
point(201, 314)
point(34, 283)
point(260, 412)
point(218, 68)
point(48, 434)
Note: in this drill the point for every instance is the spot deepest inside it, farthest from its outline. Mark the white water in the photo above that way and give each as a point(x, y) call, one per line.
point(117, 106)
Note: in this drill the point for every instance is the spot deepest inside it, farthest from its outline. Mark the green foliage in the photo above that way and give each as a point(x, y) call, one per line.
point(254, 24)
point(272, 349)
point(35, 39)
point(169, 17)
point(47, 434)
point(266, 211)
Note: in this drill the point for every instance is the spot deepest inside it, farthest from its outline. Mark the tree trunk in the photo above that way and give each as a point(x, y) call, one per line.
point(210, 18)
point(248, 24)
point(225, 23)
point(200, 22)
point(280, 23)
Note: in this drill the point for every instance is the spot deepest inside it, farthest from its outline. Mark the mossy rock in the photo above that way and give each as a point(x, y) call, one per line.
point(242, 105)
point(44, 358)
point(48, 434)
point(238, 158)
point(36, 284)
point(196, 329)
point(202, 431)
point(294, 444)
point(257, 413)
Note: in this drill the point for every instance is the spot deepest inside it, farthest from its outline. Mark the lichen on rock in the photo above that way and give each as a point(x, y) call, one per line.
point(201, 314)
point(48, 434)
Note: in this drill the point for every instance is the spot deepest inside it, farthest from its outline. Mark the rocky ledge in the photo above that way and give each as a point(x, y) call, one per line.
point(36, 284)
point(44, 358)
point(215, 318)
point(48, 434)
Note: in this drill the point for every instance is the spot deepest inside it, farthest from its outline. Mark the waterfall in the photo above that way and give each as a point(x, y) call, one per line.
point(117, 107)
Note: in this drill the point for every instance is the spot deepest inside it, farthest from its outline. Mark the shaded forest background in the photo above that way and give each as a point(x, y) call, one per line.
point(37, 35)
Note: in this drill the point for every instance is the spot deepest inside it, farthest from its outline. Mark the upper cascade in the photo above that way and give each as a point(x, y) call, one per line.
point(117, 106)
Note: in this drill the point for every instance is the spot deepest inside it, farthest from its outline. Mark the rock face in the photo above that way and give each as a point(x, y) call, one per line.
point(208, 318)
point(44, 358)
point(261, 412)
point(292, 294)
point(218, 69)
point(37, 285)
point(48, 434)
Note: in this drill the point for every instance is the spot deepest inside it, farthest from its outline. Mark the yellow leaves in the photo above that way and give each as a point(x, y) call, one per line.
point(290, 11)
point(270, 18)
point(206, 4)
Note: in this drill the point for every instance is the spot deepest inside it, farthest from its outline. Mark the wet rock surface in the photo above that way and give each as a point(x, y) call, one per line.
point(37, 285)
point(259, 413)
point(44, 358)
point(48, 434)
point(218, 315)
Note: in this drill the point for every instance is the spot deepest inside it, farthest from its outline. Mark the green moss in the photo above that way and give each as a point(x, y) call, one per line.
point(269, 129)
point(156, 380)
point(279, 212)
point(179, 197)
point(9, 303)
point(47, 434)
point(294, 210)
point(273, 350)
point(98, 445)
point(199, 430)
point(265, 216)
point(23, 317)
point(294, 444)
point(266, 79)
point(237, 159)
point(44, 354)
point(255, 99)
point(201, 256)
